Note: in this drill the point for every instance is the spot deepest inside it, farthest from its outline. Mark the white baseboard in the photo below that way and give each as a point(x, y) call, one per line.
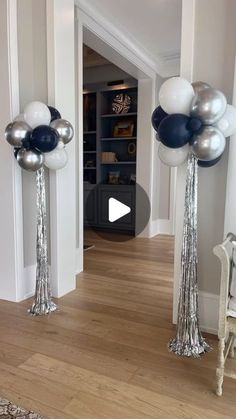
point(29, 281)
point(161, 227)
point(208, 312)
point(79, 261)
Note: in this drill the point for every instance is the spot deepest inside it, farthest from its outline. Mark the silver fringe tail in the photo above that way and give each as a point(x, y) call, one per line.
point(189, 340)
point(43, 303)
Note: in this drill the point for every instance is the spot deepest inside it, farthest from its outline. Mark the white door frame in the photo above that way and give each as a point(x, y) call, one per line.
point(62, 84)
point(106, 43)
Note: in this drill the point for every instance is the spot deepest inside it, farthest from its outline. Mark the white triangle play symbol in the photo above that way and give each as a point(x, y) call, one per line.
point(116, 210)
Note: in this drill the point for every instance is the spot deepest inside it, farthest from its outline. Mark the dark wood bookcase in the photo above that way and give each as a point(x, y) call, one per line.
point(108, 132)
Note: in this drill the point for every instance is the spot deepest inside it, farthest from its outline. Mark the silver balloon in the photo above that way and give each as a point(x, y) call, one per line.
point(64, 129)
point(208, 144)
point(208, 105)
point(31, 160)
point(199, 85)
point(16, 132)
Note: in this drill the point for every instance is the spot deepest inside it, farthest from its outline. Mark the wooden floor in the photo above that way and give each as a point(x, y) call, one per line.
point(104, 354)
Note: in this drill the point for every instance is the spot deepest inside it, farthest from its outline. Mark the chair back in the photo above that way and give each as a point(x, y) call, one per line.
point(224, 253)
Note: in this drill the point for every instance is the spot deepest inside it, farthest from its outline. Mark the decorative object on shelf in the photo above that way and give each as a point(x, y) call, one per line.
point(90, 163)
point(192, 122)
point(131, 149)
point(109, 157)
point(121, 103)
point(39, 137)
point(123, 128)
point(113, 178)
point(132, 180)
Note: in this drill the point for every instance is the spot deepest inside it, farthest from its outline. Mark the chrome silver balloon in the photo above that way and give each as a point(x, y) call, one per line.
point(208, 105)
point(16, 132)
point(64, 129)
point(199, 85)
point(208, 144)
point(31, 160)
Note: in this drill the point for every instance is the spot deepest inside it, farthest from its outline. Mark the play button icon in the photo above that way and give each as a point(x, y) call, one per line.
point(117, 210)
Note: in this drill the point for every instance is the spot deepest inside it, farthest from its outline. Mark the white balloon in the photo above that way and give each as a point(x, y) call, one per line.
point(19, 117)
point(37, 113)
point(60, 145)
point(227, 124)
point(173, 156)
point(56, 159)
point(176, 95)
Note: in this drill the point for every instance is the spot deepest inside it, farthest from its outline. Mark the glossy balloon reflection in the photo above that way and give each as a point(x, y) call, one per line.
point(208, 105)
point(209, 144)
point(199, 85)
point(16, 132)
point(31, 160)
point(64, 129)
point(44, 138)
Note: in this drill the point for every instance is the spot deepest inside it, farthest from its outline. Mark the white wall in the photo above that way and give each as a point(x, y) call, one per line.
point(212, 60)
point(11, 242)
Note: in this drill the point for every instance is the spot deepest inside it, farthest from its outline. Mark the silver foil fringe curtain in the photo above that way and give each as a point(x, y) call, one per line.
point(189, 340)
point(43, 303)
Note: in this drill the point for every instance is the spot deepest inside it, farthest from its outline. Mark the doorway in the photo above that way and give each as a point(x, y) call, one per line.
point(109, 148)
point(96, 39)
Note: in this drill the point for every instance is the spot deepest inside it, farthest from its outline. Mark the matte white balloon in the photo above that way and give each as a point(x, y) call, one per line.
point(60, 145)
point(227, 124)
point(176, 95)
point(173, 156)
point(37, 113)
point(56, 159)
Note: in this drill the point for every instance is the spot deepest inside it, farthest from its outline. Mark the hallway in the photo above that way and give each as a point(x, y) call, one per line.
point(104, 355)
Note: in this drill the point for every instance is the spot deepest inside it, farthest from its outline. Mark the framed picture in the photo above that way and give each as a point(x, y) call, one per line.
point(113, 178)
point(123, 129)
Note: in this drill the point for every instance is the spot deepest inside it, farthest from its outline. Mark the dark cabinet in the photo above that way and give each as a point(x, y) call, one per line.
point(96, 202)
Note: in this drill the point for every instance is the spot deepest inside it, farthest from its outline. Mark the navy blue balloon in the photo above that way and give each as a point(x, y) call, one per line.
point(44, 138)
point(26, 143)
point(209, 163)
point(55, 114)
point(173, 131)
point(157, 116)
point(194, 125)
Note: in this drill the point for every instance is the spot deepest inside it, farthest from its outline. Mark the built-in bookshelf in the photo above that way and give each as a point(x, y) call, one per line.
point(110, 141)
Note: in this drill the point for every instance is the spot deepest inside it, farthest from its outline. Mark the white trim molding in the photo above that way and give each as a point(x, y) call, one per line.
point(165, 65)
point(209, 312)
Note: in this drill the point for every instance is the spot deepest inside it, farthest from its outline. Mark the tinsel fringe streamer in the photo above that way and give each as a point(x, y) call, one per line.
point(189, 340)
point(42, 303)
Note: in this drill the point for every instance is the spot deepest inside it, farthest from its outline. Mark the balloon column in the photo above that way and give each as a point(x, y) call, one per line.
point(39, 136)
point(191, 122)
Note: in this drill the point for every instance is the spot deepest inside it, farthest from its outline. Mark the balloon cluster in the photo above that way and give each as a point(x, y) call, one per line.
point(192, 118)
point(39, 136)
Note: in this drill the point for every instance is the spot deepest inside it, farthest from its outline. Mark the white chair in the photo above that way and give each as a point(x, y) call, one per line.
point(227, 325)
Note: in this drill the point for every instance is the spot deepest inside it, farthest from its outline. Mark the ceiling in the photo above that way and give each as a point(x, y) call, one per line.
point(153, 25)
point(91, 58)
